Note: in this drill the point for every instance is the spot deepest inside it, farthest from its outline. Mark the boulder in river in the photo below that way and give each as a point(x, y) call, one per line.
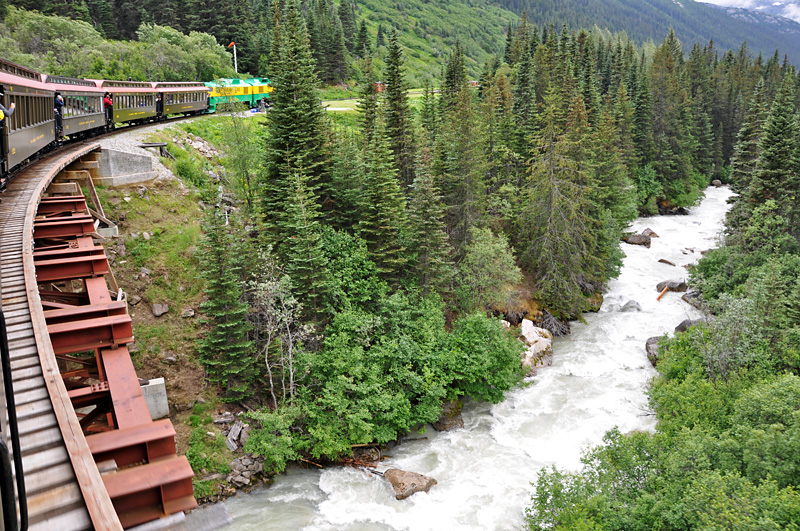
point(664, 261)
point(540, 351)
point(451, 418)
point(651, 347)
point(638, 239)
point(686, 324)
point(717, 183)
point(673, 285)
point(693, 297)
point(407, 483)
point(631, 306)
point(649, 232)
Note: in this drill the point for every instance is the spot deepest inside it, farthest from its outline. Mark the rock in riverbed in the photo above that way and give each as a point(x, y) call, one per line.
point(673, 285)
point(407, 483)
point(451, 418)
point(651, 347)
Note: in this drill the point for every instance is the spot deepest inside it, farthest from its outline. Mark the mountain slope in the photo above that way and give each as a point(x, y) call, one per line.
point(651, 19)
point(790, 9)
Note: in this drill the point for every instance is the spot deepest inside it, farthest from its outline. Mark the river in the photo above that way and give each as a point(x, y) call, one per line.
point(598, 380)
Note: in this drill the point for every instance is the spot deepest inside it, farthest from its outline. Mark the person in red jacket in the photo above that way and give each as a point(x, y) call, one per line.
point(108, 105)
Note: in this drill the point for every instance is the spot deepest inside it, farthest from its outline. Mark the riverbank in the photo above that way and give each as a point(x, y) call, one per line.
point(598, 380)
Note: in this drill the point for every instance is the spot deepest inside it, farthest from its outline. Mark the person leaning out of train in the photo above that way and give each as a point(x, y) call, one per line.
point(58, 112)
point(108, 106)
point(6, 112)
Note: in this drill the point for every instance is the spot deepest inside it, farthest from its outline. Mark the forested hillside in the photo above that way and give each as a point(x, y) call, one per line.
point(344, 32)
point(341, 31)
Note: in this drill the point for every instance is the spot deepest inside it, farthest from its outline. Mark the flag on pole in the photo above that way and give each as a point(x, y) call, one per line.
point(231, 44)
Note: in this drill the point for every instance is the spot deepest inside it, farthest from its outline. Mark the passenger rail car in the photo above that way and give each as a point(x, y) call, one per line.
point(134, 101)
point(183, 98)
point(31, 128)
point(83, 105)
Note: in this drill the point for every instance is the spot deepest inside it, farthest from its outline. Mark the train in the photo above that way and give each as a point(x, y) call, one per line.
point(248, 91)
point(33, 127)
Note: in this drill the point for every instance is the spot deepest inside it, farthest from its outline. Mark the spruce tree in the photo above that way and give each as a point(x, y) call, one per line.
point(305, 259)
point(368, 100)
point(384, 216)
point(398, 116)
point(552, 226)
point(642, 120)
point(460, 167)
point(347, 16)
point(455, 78)
point(380, 40)
point(746, 151)
point(224, 350)
point(430, 246)
point(362, 48)
point(524, 104)
point(297, 125)
point(777, 173)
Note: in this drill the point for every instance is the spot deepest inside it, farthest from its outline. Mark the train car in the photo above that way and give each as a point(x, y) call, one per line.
point(134, 101)
point(31, 128)
point(247, 91)
point(183, 97)
point(83, 105)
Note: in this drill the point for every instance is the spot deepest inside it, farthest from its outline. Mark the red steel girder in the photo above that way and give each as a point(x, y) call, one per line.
point(72, 267)
point(90, 334)
point(63, 227)
point(75, 203)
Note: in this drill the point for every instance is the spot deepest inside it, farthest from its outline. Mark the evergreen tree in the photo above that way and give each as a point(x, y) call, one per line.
point(224, 350)
point(524, 104)
point(430, 246)
point(297, 125)
point(428, 113)
point(552, 225)
point(362, 48)
point(398, 116)
point(746, 152)
point(384, 218)
point(460, 166)
point(337, 60)
point(776, 176)
point(642, 121)
point(347, 17)
point(306, 263)
point(455, 78)
point(380, 40)
point(670, 123)
point(369, 98)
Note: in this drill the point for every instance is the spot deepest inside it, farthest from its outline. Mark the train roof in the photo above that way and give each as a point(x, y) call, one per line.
point(122, 86)
point(70, 83)
point(180, 86)
point(18, 70)
point(231, 82)
point(12, 73)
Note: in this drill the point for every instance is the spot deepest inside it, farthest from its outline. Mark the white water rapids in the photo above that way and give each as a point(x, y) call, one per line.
point(598, 380)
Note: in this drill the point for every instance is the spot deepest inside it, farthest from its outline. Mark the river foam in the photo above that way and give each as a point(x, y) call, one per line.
point(598, 380)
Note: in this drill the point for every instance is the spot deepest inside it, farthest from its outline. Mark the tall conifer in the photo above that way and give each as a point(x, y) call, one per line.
point(224, 350)
point(297, 124)
point(398, 117)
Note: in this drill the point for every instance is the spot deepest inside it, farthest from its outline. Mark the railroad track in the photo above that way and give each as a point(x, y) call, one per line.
point(60, 451)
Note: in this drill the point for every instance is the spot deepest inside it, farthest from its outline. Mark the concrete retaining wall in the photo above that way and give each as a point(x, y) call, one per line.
point(118, 168)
